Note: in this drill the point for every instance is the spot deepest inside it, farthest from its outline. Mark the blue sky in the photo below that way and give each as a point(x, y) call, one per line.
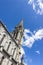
point(31, 11)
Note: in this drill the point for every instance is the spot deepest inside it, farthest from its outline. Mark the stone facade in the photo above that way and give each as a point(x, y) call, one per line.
point(10, 45)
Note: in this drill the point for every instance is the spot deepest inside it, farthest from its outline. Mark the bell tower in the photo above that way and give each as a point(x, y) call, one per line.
point(18, 37)
point(18, 33)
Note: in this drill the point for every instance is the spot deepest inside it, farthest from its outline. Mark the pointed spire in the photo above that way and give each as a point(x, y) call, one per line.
point(18, 32)
point(20, 24)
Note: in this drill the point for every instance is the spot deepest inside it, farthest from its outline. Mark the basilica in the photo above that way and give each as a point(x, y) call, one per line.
point(11, 45)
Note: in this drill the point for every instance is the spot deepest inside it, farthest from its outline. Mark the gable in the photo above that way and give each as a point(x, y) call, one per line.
point(4, 31)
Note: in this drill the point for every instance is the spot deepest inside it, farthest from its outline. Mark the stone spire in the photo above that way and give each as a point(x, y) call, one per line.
point(18, 32)
point(20, 24)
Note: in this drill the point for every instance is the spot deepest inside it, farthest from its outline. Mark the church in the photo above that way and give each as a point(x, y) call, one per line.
point(11, 45)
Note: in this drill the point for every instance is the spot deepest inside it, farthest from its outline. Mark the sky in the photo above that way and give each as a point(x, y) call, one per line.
point(31, 11)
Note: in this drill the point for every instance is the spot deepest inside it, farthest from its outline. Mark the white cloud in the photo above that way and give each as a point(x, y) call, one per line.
point(37, 6)
point(39, 34)
point(22, 50)
point(29, 40)
point(38, 52)
point(28, 60)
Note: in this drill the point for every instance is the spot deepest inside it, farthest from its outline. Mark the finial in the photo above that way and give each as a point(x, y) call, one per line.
point(20, 24)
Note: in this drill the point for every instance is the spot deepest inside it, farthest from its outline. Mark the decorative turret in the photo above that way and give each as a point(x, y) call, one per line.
point(18, 32)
